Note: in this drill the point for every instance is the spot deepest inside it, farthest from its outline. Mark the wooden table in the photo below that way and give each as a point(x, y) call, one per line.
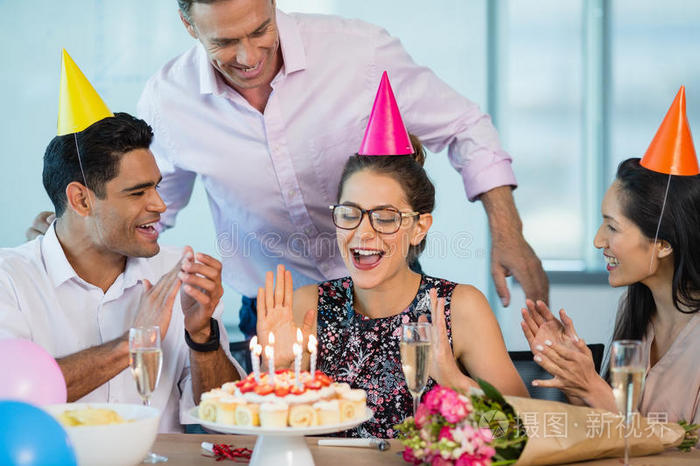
point(184, 449)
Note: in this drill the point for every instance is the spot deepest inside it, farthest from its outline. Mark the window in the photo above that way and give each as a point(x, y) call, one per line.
point(576, 87)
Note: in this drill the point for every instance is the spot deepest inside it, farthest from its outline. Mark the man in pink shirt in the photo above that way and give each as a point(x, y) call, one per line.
point(267, 107)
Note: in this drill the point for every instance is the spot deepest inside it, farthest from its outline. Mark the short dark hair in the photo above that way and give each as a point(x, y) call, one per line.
point(186, 5)
point(102, 145)
point(408, 171)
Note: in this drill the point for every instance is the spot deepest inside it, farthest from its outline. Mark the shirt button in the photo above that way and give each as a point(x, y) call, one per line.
point(292, 193)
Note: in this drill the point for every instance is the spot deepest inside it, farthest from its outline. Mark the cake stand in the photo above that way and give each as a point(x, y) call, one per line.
point(284, 446)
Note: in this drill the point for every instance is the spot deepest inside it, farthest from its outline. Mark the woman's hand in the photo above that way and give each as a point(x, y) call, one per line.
point(540, 326)
point(443, 367)
point(574, 373)
point(275, 316)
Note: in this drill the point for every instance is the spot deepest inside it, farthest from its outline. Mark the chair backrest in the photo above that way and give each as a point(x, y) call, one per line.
point(529, 370)
point(241, 351)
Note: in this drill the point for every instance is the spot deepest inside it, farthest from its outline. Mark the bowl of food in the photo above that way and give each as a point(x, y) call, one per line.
point(108, 433)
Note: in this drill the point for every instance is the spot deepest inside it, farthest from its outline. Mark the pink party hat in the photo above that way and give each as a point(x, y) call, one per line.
point(385, 133)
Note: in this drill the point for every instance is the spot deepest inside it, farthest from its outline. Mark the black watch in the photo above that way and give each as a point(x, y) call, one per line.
point(211, 345)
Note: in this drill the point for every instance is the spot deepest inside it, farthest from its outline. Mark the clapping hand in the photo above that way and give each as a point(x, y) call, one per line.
point(558, 349)
point(201, 292)
point(540, 326)
point(275, 316)
point(156, 304)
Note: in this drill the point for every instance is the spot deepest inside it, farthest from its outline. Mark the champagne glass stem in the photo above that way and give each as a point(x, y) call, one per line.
point(416, 400)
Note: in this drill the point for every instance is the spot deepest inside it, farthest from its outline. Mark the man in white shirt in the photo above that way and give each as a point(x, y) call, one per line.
point(267, 108)
point(77, 290)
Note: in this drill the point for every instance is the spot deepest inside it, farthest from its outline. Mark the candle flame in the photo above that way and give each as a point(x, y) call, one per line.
point(312, 344)
point(253, 342)
point(271, 339)
point(296, 349)
point(300, 336)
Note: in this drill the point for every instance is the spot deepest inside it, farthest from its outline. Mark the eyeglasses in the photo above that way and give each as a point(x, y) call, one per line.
point(385, 220)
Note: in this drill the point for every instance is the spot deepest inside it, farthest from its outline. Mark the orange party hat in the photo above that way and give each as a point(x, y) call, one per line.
point(672, 151)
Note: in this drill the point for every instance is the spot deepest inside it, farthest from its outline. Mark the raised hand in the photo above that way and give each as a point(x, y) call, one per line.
point(443, 367)
point(201, 292)
point(156, 304)
point(274, 306)
point(540, 326)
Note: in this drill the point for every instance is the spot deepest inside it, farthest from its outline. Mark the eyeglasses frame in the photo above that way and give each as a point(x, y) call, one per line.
point(371, 222)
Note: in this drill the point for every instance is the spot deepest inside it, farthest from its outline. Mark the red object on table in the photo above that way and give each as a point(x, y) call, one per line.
point(228, 452)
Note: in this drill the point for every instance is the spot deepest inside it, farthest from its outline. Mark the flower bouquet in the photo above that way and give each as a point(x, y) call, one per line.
point(485, 428)
point(451, 428)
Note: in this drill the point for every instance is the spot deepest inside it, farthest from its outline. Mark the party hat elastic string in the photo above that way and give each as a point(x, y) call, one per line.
point(80, 163)
point(658, 226)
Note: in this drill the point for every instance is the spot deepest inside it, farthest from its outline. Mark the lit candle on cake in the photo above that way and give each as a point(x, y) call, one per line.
point(270, 355)
point(312, 350)
point(255, 351)
point(296, 348)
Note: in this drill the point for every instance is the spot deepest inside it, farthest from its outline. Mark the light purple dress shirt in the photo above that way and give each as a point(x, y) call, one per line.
point(270, 176)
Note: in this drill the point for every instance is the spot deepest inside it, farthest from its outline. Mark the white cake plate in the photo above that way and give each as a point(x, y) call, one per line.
point(284, 446)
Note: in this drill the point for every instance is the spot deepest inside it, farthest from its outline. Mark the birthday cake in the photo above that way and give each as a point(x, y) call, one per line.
point(311, 401)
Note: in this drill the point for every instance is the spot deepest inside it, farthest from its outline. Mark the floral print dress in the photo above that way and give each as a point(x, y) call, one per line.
point(365, 353)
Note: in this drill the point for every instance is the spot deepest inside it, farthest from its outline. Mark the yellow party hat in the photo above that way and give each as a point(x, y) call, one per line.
point(79, 105)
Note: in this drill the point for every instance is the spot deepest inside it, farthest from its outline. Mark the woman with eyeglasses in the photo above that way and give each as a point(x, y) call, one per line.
point(382, 217)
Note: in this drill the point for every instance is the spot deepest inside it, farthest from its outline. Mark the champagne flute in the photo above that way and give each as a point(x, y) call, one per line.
point(627, 374)
point(415, 357)
point(146, 360)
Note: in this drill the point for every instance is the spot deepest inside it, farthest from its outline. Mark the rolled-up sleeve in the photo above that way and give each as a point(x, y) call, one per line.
point(441, 118)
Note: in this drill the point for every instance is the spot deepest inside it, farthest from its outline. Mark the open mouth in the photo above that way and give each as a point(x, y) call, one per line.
point(148, 229)
point(611, 262)
point(365, 259)
point(249, 72)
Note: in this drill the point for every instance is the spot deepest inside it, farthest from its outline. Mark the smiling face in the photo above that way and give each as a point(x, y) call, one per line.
point(373, 258)
point(241, 39)
point(628, 252)
point(124, 221)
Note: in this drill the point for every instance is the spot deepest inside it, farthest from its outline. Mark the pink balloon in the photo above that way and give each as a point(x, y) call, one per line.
point(30, 374)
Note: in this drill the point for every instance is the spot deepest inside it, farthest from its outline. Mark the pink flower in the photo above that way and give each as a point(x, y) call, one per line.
point(440, 461)
point(405, 319)
point(445, 432)
point(422, 415)
point(486, 434)
point(431, 400)
point(452, 408)
point(409, 457)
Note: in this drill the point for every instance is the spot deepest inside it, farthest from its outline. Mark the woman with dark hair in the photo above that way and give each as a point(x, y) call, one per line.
point(650, 237)
point(382, 217)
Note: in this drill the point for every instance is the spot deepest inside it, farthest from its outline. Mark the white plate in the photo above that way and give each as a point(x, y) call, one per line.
point(282, 431)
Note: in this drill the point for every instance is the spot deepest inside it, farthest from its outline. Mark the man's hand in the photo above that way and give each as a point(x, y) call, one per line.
point(201, 293)
point(40, 225)
point(510, 253)
point(156, 305)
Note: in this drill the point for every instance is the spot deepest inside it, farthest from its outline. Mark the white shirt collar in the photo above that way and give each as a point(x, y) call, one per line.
point(59, 269)
point(293, 55)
